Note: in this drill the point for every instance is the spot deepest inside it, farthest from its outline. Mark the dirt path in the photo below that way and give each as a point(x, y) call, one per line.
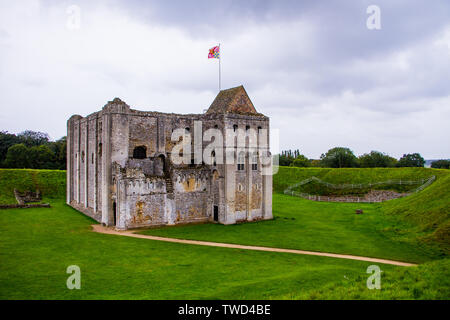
point(129, 233)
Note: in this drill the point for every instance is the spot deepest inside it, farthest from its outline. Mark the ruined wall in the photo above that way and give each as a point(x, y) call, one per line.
point(141, 202)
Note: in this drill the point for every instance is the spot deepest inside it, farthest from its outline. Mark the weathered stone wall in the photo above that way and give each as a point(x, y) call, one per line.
point(108, 184)
point(191, 180)
point(91, 158)
point(143, 132)
point(141, 202)
point(191, 207)
point(82, 164)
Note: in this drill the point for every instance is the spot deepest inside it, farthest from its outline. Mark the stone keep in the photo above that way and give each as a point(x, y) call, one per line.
point(120, 171)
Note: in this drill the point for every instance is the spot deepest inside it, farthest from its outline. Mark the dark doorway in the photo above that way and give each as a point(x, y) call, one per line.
point(115, 212)
point(216, 213)
point(140, 152)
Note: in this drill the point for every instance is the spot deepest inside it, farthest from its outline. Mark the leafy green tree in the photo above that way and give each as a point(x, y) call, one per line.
point(7, 140)
point(441, 164)
point(301, 161)
point(59, 149)
point(18, 156)
point(339, 157)
point(42, 157)
point(287, 157)
point(411, 160)
point(33, 138)
point(51, 155)
point(376, 159)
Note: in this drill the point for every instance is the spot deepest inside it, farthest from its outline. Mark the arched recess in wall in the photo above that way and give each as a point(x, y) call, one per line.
point(160, 165)
point(115, 213)
point(140, 152)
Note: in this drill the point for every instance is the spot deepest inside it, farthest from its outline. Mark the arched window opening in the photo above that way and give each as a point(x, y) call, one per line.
point(235, 127)
point(100, 149)
point(241, 161)
point(82, 156)
point(255, 161)
point(140, 152)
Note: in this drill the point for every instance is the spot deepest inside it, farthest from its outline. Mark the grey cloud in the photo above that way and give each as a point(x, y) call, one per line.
point(312, 66)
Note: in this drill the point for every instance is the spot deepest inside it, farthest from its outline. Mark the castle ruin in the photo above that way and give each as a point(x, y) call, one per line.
point(121, 169)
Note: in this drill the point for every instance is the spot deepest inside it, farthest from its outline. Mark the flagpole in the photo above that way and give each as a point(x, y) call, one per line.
point(220, 58)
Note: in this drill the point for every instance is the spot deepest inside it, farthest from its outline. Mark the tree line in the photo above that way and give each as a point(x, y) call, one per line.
point(31, 149)
point(340, 157)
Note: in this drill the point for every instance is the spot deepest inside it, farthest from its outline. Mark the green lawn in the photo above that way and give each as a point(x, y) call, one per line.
point(37, 245)
point(316, 226)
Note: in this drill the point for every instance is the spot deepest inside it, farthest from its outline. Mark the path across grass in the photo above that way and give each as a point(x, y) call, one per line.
point(101, 229)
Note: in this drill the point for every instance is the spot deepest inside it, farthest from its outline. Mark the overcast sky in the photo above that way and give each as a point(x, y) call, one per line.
point(313, 67)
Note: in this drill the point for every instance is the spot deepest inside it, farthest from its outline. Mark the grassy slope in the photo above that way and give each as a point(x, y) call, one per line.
point(427, 213)
point(51, 183)
point(422, 216)
point(427, 281)
point(287, 176)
